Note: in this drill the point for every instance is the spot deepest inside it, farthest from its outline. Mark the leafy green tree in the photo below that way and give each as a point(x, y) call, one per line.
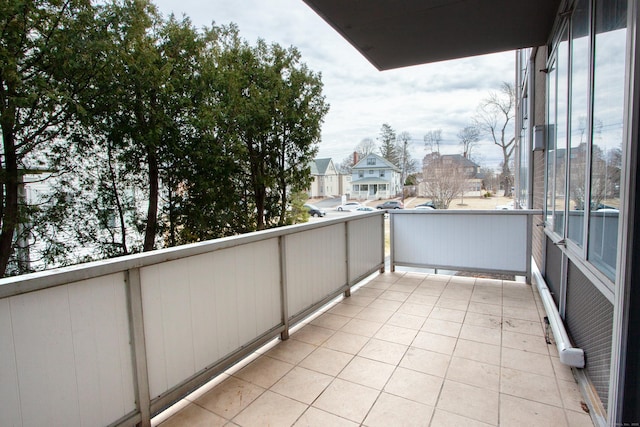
point(388, 147)
point(47, 58)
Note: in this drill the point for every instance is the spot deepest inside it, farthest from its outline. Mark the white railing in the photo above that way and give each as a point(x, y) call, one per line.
point(482, 241)
point(115, 342)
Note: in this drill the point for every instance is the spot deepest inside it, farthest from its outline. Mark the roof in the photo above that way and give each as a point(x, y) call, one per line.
point(381, 163)
point(319, 166)
point(393, 34)
point(372, 180)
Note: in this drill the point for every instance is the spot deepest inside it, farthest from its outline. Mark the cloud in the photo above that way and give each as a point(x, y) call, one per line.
point(415, 99)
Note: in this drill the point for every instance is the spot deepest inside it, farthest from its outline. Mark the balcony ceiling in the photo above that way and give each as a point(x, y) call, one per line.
point(393, 34)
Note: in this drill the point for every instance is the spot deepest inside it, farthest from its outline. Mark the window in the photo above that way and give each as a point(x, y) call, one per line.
point(371, 160)
point(356, 187)
point(360, 174)
point(382, 174)
point(370, 171)
point(585, 121)
point(606, 134)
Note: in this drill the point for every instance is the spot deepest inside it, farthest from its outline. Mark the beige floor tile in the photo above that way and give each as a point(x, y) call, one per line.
point(330, 321)
point(527, 361)
point(347, 343)
point(366, 291)
point(291, 351)
point(383, 351)
point(348, 310)
point(270, 409)
point(425, 361)
point(477, 403)
point(447, 314)
point(471, 372)
point(312, 334)
point(429, 289)
point(314, 417)
point(415, 386)
point(562, 371)
point(526, 304)
point(407, 286)
point(361, 327)
point(456, 294)
point(394, 295)
point(385, 304)
point(517, 412)
point(422, 299)
point(486, 298)
point(571, 395)
point(346, 399)
point(447, 419)
point(264, 372)
point(390, 410)
point(303, 385)
point(454, 304)
point(195, 416)
point(491, 336)
point(462, 280)
point(367, 372)
point(396, 334)
point(493, 308)
point(578, 419)
point(375, 314)
point(484, 320)
point(378, 284)
point(434, 342)
point(480, 352)
point(230, 397)
point(442, 327)
point(530, 386)
point(522, 326)
point(405, 320)
point(521, 313)
point(415, 309)
point(525, 342)
point(326, 361)
point(358, 299)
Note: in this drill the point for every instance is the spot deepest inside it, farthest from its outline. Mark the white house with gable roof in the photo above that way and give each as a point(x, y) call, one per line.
point(374, 177)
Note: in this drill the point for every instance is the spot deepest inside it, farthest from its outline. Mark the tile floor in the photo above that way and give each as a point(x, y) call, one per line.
point(406, 349)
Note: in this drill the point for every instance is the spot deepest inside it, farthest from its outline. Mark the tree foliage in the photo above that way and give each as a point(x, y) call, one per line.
point(149, 132)
point(388, 147)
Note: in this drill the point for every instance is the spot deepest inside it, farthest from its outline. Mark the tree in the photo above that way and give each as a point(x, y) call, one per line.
point(362, 150)
point(432, 140)
point(46, 60)
point(388, 148)
point(442, 182)
point(407, 163)
point(468, 136)
point(493, 117)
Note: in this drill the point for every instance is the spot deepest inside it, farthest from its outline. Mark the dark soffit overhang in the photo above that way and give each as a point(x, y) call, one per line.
point(399, 33)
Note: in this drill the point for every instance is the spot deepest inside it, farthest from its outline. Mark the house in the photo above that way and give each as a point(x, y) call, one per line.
point(451, 165)
point(374, 177)
point(577, 89)
point(325, 179)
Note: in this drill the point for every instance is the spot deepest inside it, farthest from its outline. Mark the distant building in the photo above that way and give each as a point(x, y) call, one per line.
point(436, 166)
point(325, 179)
point(374, 177)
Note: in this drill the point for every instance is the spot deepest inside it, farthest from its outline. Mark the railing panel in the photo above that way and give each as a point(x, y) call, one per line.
point(69, 352)
point(316, 265)
point(465, 240)
point(199, 309)
point(366, 245)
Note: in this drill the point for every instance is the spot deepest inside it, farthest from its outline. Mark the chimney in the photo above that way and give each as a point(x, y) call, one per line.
point(355, 158)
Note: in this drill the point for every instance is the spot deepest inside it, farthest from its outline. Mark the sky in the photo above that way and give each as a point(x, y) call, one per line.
point(416, 99)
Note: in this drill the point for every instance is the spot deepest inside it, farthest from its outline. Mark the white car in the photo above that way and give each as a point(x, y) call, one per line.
point(424, 208)
point(365, 209)
point(349, 206)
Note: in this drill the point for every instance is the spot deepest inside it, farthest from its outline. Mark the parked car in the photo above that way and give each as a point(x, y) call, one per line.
point(314, 210)
point(365, 209)
point(424, 208)
point(349, 206)
point(427, 204)
point(391, 204)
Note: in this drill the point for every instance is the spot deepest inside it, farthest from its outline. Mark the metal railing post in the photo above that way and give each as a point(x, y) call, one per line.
point(284, 300)
point(347, 293)
point(136, 328)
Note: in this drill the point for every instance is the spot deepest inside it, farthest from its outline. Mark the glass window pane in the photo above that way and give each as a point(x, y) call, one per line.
point(561, 134)
point(578, 121)
point(608, 114)
point(551, 143)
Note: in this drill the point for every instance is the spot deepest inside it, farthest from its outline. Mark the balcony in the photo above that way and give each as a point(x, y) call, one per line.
point(195, 329)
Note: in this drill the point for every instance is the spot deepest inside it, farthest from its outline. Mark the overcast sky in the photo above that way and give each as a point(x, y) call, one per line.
point(415, 99)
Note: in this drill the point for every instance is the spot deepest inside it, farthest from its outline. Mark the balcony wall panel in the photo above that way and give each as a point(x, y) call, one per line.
point(69, 355)
point(201, 308)
point(366, 243)
point(466, 240)
point(316, 265)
